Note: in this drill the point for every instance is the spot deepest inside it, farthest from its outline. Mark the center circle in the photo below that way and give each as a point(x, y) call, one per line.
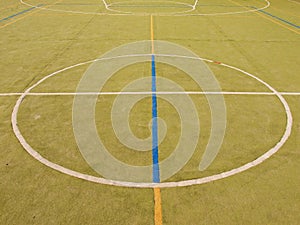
point(89, 142)
point(34, 153)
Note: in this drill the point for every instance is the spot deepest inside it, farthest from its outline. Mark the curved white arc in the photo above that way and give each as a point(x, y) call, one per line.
point(147, 14)
point(198, 181)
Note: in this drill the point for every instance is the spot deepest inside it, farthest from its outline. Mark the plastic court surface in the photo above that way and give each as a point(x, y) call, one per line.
point(150, 112)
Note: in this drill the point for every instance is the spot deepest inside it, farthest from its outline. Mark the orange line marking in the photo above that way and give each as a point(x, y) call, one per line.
point(158, 208)
point(152, 34)
point(28, 14)
point(157, 194)
point(267, 18)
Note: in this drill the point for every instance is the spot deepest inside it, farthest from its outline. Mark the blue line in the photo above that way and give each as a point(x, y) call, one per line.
point(19, 13)
point(155, 171)
point(278, 18)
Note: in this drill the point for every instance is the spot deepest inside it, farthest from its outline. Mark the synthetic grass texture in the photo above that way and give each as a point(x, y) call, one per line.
point(48, 41)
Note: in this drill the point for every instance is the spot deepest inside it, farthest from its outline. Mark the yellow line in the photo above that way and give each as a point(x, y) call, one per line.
point(152, 35)
point(157, 209)
point(274, 21)
point(28, 14)
point(157, 194)
point(16, 20)
point(270, 19)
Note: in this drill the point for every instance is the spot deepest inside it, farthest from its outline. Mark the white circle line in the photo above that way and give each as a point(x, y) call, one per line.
point(115, 4)
point(233, 13)
point(146, 14)
point(203, 180)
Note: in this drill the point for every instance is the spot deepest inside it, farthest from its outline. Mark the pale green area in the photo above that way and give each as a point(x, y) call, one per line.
point(40, 44)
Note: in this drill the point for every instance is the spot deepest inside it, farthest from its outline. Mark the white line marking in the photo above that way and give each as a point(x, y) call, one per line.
point(149, 93)
point(70, 11)
point(131, 13)
point(146, 14)
point(262, 158)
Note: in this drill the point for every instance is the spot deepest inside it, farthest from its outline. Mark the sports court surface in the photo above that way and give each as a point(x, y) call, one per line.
point(150, 112)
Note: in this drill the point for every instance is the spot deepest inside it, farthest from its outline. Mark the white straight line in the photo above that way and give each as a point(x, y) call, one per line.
point(10, 94)
point(143, 14)
point(148, 93)
point(289, 93)
point(259, 160)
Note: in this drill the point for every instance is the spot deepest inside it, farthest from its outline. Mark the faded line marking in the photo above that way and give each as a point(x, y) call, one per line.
point(267, 18)
point(294, 2)
point(274, 21)
point(17, 14)
point(278, 18)
point(38, 8)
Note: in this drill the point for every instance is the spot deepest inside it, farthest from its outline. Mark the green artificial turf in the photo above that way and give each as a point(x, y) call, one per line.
point(40, 42)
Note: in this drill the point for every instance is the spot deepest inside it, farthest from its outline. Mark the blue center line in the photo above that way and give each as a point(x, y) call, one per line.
point(278, 18)
point(155, 162)
point(19, 13)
